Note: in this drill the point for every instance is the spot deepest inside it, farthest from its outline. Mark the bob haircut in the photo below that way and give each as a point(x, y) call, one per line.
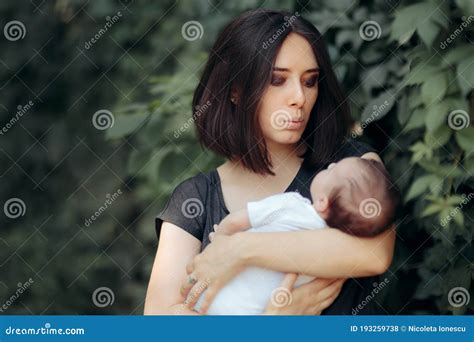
point(241, 63)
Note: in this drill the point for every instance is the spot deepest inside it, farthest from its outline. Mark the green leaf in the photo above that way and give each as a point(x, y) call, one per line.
point(419, 186)
point(431, 210)
point(378, 108)
point(420, 73)
point(414, 98)
point(417, 119)
point(414, 17)
point(455, 200)
point(454, 56)
point(469, 163)
point(441, 170)
point(467, 6)
point(436, 186)
point(465, 138)
point(465, 75)
point(403, 113)
point(434, 89)
point(125, 125)
point(428, 30)
point(444, 218)
point(439, 137)
point(436, 116)
point(374, 78)
point(421, 151)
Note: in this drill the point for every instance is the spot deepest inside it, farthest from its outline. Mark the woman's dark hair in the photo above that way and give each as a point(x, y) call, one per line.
point(241, 61)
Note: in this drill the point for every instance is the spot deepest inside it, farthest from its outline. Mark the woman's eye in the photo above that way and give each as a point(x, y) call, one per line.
point(277, 80)
point(311, 82)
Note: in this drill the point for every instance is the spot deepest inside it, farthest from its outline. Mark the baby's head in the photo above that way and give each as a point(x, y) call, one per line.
point(356, 196)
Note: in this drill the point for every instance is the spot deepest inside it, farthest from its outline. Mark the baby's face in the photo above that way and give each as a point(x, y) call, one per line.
point(335, 175)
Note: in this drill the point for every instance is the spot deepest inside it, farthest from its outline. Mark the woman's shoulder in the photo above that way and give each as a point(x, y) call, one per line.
point(195, 184)
point(186, 206)
point(195, 187)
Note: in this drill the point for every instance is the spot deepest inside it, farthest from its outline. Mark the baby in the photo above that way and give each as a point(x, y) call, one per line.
point(354, 195)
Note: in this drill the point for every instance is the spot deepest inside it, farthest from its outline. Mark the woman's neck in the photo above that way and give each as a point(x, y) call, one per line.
point(285, 156)
point(284, 159)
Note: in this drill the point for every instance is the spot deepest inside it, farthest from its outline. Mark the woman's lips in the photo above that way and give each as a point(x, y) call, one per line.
point(295, 124)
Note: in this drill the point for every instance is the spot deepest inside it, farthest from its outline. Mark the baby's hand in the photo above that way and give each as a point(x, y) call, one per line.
point(231, 224)
point(219, 229)
point(227, 228)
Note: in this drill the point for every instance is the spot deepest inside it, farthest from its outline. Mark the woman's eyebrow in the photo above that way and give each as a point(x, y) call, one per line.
point(287, 70)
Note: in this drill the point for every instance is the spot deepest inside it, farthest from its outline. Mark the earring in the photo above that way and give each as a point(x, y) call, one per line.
point(232, 99)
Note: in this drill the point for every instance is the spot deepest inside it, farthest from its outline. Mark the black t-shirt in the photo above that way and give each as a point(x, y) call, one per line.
point(197, 204)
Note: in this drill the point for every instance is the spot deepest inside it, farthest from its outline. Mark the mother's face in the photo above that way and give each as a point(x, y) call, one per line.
point(287, 103)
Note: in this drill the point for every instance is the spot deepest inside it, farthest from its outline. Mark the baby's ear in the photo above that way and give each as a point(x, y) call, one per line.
point(321, 203)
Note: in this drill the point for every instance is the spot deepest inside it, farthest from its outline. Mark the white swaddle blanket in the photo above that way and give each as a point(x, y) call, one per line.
point(251, 290)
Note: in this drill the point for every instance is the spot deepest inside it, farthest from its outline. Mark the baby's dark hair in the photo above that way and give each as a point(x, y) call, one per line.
point(366, 206)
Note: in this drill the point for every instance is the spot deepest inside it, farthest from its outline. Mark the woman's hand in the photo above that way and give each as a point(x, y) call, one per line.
point(182, 310)
point(212, 269)
point(308, 299)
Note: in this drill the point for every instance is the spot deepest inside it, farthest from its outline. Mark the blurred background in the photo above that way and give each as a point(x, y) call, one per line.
point(96, 130)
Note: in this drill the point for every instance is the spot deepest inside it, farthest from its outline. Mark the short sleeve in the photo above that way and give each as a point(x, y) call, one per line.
point(185, 208)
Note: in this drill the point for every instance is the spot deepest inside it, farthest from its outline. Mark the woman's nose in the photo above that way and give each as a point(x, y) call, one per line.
point(297, 96)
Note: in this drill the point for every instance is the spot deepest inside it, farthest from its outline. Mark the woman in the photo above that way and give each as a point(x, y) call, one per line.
point(274, 109)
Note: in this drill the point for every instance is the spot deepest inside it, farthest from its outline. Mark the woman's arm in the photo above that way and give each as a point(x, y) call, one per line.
point(326, 253)
point(175, 250)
